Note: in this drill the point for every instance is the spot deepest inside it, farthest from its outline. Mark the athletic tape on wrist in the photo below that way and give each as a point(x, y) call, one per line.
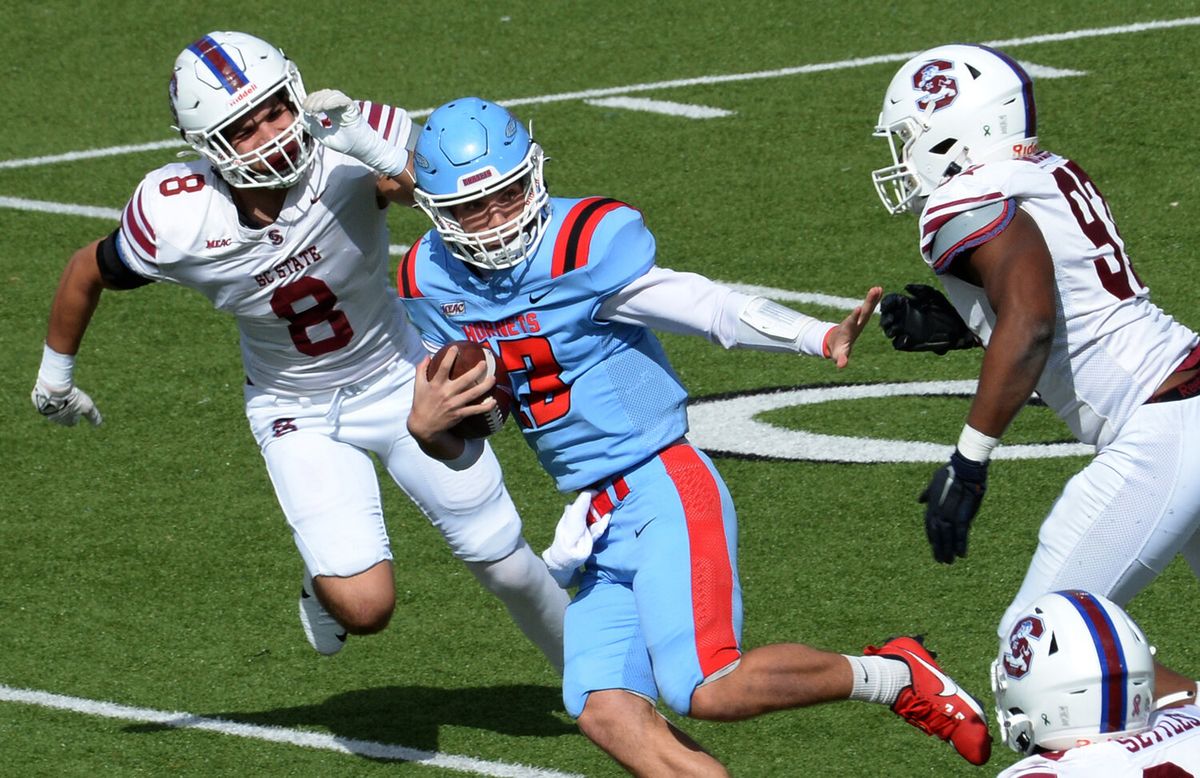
point(976, 446)
point(57, 370)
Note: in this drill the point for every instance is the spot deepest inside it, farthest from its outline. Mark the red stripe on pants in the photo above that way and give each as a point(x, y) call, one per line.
point(712, 571)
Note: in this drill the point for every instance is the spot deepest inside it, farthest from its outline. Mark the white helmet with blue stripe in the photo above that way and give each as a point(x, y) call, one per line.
point(471, 148)
point(947, 109)
point(220, 78)
point(1075, 669)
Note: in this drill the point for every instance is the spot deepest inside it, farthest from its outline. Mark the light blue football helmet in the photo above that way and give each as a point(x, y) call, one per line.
point(471, 148)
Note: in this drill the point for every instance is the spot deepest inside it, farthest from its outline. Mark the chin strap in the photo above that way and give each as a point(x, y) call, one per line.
point(1170, 699)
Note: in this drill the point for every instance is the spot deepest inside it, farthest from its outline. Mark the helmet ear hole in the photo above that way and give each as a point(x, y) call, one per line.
point(944, 146)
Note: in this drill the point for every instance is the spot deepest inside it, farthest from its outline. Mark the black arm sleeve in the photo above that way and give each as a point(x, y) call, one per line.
point(113, 269)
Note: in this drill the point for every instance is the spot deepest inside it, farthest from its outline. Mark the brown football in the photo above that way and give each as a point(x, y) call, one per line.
point(470, 354)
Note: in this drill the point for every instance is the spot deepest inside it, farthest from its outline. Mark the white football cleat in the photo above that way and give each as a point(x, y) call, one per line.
point(322, 630)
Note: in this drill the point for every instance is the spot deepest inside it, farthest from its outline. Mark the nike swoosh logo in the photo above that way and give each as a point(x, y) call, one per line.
point(949, 688)
point(637, 533)
point(535, 299)
point(318, 195)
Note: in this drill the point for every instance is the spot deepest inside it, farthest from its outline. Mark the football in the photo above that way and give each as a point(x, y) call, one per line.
point(470, 354)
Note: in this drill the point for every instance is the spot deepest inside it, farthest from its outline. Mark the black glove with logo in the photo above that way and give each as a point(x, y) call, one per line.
point(926, 321)
point(951, 501)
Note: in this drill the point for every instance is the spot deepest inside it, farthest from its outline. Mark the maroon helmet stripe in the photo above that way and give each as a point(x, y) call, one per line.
point(214, 57)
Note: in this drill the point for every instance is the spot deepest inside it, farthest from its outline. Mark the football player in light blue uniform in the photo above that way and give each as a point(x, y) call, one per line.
point(565, 292)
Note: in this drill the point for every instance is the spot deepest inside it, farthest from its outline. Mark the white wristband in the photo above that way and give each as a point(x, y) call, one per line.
point(57, 370)
point(976, 446)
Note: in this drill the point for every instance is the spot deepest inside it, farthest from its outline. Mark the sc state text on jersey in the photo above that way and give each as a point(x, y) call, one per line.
point(291, 265)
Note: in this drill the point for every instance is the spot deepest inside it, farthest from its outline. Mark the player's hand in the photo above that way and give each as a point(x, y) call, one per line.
point(65, 406)
point(440, 402)
point(951, 501)
point(574, 537)
point(337, 122)
point(926, 321)
point(840, 339)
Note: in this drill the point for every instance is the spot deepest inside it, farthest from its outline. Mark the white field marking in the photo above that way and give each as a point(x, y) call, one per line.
point(1045, 71)
point(787, 295)
point(846, 64)
point(42, 206)
point(295, 737)
point(729, 426)
point(661, 106)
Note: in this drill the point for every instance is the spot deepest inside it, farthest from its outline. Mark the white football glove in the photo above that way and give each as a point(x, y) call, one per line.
point(573, 539)
point(65, 406)
point(336, 121)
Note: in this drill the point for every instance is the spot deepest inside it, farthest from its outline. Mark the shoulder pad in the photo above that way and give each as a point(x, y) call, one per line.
point(968, 229)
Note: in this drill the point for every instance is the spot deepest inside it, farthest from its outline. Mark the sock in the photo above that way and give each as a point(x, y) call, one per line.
point(535, 602)
point(878, 678)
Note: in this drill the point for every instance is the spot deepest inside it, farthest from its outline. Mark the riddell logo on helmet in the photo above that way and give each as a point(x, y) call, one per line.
point(937, 87)
point(1020, 654)
point(1025, 149)
point(242, 95)
point(475, 178)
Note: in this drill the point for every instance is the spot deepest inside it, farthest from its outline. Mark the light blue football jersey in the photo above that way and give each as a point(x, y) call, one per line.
point(595, 398)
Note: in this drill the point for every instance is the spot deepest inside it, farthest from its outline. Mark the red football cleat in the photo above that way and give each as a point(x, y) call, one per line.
point(934, 704)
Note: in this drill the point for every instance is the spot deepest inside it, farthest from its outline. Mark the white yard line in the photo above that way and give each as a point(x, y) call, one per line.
point(845, 64)
point(294, 737)
point(686, 110)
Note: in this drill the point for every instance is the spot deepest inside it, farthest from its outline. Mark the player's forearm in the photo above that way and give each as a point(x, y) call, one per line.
point(75, 301)
point(691, 304)
point(1012, 365)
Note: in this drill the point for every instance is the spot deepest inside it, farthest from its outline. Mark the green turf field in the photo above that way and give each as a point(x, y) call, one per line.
point(145, 567)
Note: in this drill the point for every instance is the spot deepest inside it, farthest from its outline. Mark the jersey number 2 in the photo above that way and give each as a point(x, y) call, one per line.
point(549, 397)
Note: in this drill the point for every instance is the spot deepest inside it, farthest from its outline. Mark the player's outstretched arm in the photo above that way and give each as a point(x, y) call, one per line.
point(55, 395)
point(840, 339)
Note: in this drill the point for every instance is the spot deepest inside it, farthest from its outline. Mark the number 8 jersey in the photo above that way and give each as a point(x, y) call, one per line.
point(1112, 347)
point(310, 292)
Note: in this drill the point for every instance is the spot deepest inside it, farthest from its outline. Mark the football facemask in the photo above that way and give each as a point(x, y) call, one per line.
point(224, 77)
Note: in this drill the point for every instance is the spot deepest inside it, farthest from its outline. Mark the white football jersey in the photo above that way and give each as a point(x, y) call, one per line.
point(310, 292)
point(1112, 347)
point(1170, 748)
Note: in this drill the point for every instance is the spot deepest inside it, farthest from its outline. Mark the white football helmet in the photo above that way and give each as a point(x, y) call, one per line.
point(1074, 670)
point(947, 109)
point(218, 80)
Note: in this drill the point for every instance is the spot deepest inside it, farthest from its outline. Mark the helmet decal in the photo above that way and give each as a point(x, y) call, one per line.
point(229, 75)
point(1111, 654)
point(1019, 657)
point(936, 87)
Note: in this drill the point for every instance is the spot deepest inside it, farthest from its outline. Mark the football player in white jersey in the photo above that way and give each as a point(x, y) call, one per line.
point(1036, 272)
point(289, 236)
point(1074, 686)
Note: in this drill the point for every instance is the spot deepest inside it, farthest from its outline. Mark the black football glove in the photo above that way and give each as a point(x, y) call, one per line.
point(926, 321)
point(951, 501)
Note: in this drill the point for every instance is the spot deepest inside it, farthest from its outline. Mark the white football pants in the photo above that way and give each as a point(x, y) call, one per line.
point(1121, 520)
